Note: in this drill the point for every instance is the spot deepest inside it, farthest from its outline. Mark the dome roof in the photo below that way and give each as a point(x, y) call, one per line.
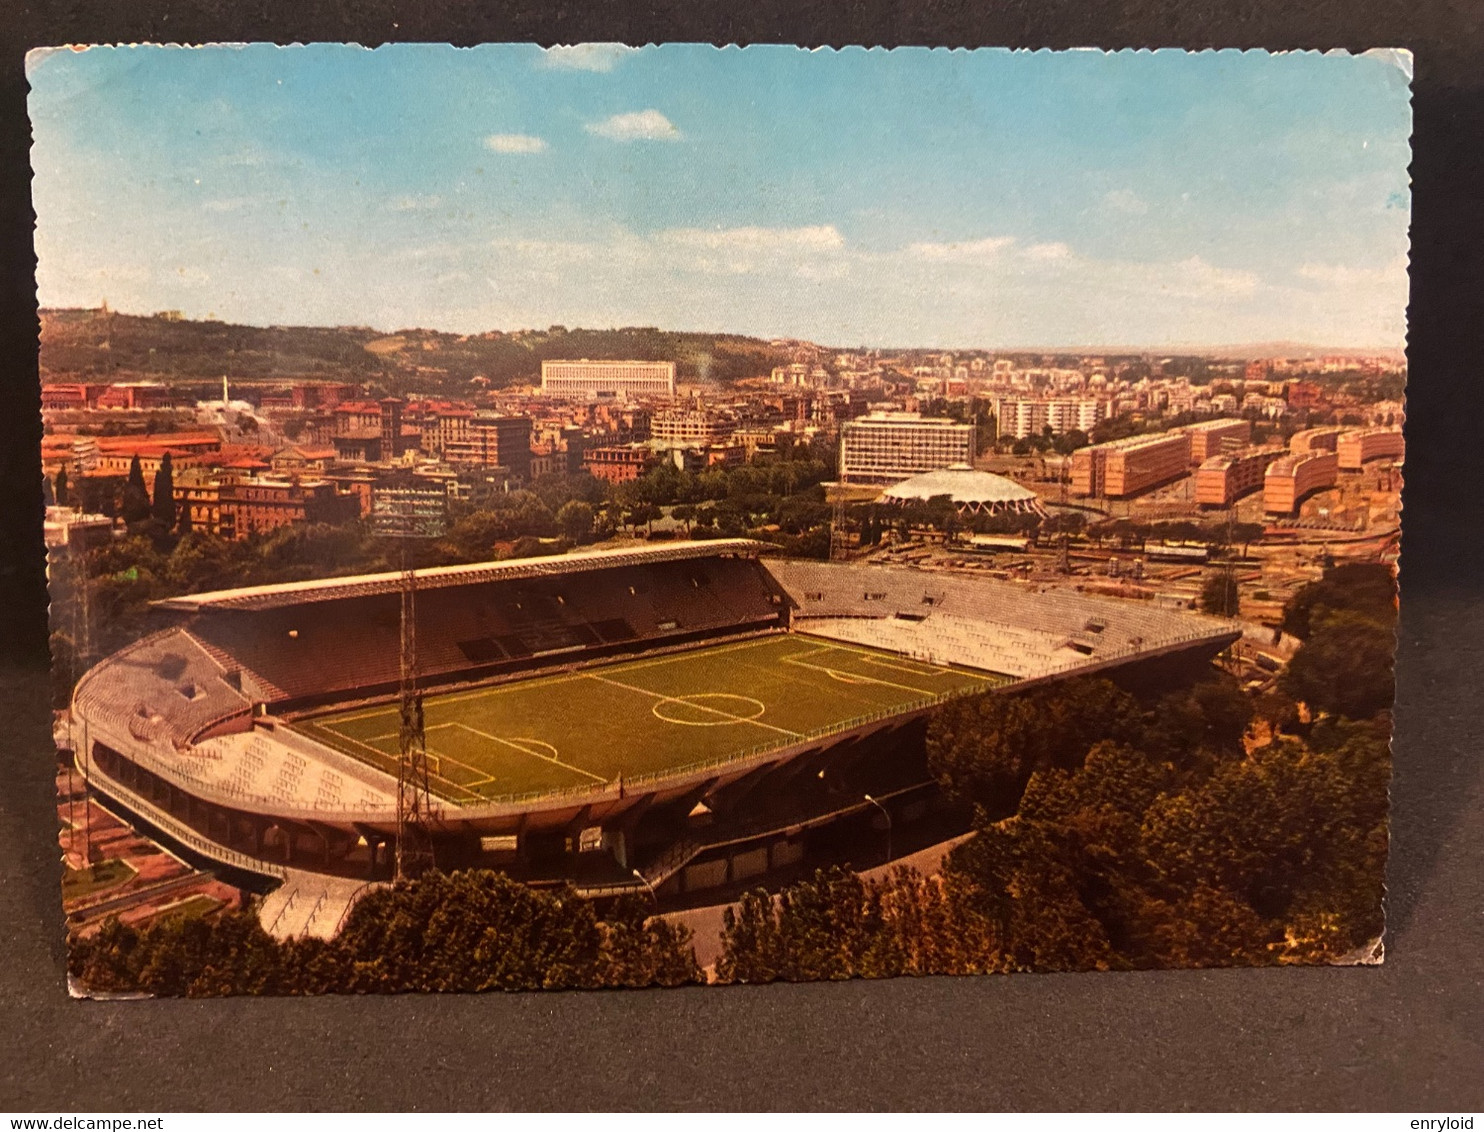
point(961, 483)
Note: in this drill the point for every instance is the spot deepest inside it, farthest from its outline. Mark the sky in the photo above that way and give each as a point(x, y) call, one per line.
point(985, 199)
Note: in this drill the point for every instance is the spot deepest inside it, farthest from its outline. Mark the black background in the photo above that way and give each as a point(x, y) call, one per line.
point(1408, 1035)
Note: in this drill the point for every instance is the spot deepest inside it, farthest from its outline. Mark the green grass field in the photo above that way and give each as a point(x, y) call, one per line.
point(642, 717)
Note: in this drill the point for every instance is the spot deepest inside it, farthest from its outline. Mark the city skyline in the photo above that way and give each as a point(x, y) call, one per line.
point(1156, 199)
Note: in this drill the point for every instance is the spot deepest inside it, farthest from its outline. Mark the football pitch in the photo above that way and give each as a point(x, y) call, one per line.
point(638, 718)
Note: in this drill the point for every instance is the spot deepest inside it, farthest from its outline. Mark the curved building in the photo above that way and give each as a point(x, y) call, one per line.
point(1289, 480)
point(1356, 449)
point(1221, 480)
point(688, 712)
point(971, 492)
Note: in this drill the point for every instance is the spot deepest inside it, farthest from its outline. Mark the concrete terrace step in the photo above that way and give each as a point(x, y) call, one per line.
point(309, 904)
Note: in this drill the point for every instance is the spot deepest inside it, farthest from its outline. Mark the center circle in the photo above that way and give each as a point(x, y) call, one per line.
point(708, 709)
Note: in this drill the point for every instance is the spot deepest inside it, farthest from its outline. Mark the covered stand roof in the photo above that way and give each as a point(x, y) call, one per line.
point(969, 490)
point(365, 585)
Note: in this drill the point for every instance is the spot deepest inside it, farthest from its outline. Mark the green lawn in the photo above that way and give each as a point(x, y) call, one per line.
point(77, 883)
point(642, 717)
point(191, 908)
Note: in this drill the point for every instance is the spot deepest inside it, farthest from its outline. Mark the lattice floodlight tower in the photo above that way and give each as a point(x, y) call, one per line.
point(838, 544)
point(406, 514)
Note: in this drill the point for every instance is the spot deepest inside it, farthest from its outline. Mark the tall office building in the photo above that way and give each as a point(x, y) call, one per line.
point(889, 447)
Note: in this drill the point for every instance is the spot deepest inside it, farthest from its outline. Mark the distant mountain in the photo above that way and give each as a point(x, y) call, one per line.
point(1244, 351)
point(104, 344)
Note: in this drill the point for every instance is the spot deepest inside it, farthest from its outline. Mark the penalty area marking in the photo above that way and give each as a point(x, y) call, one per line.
point(435, 760)
point(898, 665)
point(535, 748)
point(858, 678)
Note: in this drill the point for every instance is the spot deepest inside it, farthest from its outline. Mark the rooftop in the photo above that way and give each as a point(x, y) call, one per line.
point(963, 484)
point(437, 577)
point(1209, 426)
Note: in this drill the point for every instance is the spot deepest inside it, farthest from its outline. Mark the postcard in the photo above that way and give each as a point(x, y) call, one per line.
point(586, 517)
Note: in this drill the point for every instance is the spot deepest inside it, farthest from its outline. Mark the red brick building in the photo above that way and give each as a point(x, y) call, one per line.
point(618, 464)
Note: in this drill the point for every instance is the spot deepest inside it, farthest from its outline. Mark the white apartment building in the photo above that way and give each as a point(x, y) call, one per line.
point(590, 380)
point(1021, 417)
point(887, 447)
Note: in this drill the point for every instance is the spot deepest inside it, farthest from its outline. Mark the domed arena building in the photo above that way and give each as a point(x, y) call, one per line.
point(972, 492)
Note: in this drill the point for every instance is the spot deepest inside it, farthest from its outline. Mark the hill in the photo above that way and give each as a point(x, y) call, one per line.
point(101, 344)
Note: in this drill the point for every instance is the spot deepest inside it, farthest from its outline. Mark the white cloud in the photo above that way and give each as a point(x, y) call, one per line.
point(547, 252)
point(124, 273)
point(967, 251)
point(228, 204)
point(639, 125)
point(515, 143)
point(1126, 201)
point(415, 203)
point(245, 158)
point(823, 236)
point(585, 56)
point(1344, 276)
point(1196, 278)
point(1048, 252)
point(672, 254)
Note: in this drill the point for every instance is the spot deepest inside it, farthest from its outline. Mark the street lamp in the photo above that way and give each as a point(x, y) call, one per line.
point(887, 815)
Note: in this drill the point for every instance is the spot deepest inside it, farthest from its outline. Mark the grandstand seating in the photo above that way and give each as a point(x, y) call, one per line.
point(333, 647)
point(978, 622)
point(162, 689)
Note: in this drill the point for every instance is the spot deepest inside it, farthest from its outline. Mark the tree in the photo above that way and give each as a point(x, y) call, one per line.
point(1344, 667)
point(163, 506)
point(62, 495)
point(838, 925)
point(1071, 440)
point(1366, 588)
point(1347, 622)
point(984, 749)
point(1219, 594)
point(575, 520)
point(465, 931)
point(642, 514)
point(135, 505)
point(1246, 534)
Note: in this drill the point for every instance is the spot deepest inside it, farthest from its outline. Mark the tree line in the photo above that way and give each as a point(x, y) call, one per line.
point(465, 931)
point(1118, 831)
point(1112, 829)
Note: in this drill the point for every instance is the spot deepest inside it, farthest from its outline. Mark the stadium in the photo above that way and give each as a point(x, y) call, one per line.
point(676, 718)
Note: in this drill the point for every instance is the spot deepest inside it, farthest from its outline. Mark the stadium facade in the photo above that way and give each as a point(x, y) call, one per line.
point(679, 716)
